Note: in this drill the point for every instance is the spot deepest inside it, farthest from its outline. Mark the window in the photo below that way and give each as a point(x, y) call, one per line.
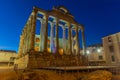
point(12, 58)
point(109, 39)
point(113, 58)
point(100, 57)
point(111, 49)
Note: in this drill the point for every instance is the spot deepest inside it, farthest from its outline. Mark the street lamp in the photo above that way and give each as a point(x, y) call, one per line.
point(88, 52)
point(98, 50)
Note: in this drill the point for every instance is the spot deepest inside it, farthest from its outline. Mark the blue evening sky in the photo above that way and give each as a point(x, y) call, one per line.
point(100, 18)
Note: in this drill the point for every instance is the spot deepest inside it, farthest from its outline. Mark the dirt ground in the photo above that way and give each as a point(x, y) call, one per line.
point(116, 77)
point(7, 73)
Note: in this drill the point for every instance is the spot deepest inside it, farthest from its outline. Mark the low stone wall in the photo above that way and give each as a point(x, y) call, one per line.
point(21, 63)
point(46, 60)
point(40, 59)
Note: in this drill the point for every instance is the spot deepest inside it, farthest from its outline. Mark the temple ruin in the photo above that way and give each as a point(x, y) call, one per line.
point(34, 51)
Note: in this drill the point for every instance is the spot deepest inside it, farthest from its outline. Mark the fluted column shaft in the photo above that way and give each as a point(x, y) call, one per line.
point(42, 32)
point(28, 36)
point(57, 38)
point(25, 42)
point(26, 39)
point(46, 33)
point(52, 36)
point(33, 29)
point(69, 39)
point(77, 41)
point(83, 43)
point(64, 39)
point(20, 46)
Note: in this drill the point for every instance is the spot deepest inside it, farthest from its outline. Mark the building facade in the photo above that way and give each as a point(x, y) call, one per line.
point(111, 46)
point(96, 55)
point(7, 57)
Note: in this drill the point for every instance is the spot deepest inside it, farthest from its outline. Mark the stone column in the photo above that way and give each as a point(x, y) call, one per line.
point(46, 33)
point(25, 40)
point(20, 46)
point(64, 39)
point(85, 59)
point(69, 39)
point(51, 36)
point(73, 42)
point(42, 32)
point(23, 34)
point(29, 34)
point(83, 43)
point(57, 38)
point(33, 28)
point(77, 41)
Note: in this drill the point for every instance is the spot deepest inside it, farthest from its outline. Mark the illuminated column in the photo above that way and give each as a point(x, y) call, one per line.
point(25, 39)
point(29, 34)
point(23, 34)
point(20, 46)
point(72, 42)
point(69, 39)
point(46, 33)
point(83, 42)
point(77, 41)
point(33, 28)
point(57, 38)
point(52, 36)
point(42, 32)
point(64, 39)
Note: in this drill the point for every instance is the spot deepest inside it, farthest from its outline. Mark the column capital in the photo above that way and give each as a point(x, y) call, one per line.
point(68, 24)
point(52, 23)
point(34, 12)
point(56, 21)
point(42, 20)
point(45, 16)
point(81, 27)
point(63, 27)
point(77, 28)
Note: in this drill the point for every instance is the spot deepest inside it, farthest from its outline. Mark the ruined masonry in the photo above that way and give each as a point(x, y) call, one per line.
point(38, 51)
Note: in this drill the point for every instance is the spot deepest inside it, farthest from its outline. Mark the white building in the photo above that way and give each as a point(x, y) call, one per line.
point(111, 46)
point(7, 57)
point(96, 55)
